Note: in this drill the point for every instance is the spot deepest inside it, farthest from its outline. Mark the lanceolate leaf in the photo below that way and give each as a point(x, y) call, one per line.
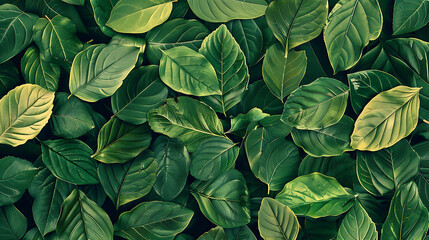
point(16, 176)
point(315, 195)
point(408, 218)
point(25, 111)
point(319, 104)
point(177, 32)
point(70, 160)
point(98, 71)
point(410, 15)
point(81, 218)
point(386, 119)
point(227, 10)
point(357, 225)
point(153, 220)
point(224, 200)
point(13, 223)
point(16, 29)
point(135, 16)
point(351, 25)
point(141, 91)
point(187, 119)
point(277, 221)
point(127, 182)
point(120, 142)
point(283, 75)
point(295, 22)
point(229, 62)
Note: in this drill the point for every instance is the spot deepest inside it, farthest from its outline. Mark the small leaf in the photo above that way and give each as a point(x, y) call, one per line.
point(13, 224)
point(357, 225)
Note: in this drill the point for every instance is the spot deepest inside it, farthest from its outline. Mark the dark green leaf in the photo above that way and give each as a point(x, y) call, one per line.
point(102, 9)
point(8, 79)
point(13, 224)
point(423, 176)
point(409, 15)
point(242, 232)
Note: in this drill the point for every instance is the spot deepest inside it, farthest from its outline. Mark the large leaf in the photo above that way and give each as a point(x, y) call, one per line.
point(217, 233)
point(357, 225)
point(409, 15)
point(8, 79)
point(13, 223)
point(16, 176)
point(295, 22)
point(177, 32)
point(142, 91)
point(386, 119)
point(119, 181)
point(227, 10)
point(388, 168)
point(37, 70)
point(102, 9)
point(135, 16)
point(98, 71)
point(283, 75)
point(25, 111)
point(224, 200)
point(71, 117)
point(188, 72)
point(277, 221)
point(16, 29)
point(173, 167)
point(408, 218)
point(229, 62)
point(319, 104)
point(70, 160)
point(153, 220)
point(422, 180)
point(365, 85)
point(187, 119)
point(212, 157)
point(315, 195)
point(120, 142)
point(326, 142)
point(81, 218)
point(351, 25)
point(57, 40)
point(47, 205)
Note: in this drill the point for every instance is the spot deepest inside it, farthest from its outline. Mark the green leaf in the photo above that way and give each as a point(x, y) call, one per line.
point(227, 10)
point(13, 224)
point(213, 157)
point(70, 161)
point(142, 91)
point(357, 225)
point(16, 176)
point(74, 2)
point(187, 119)
point(178, 32)
point(324, 228)
point(410, 15)
point(408, 217)
point(315, 195)
point(224, 200)
point(240, 123)
point(81, 218)
point(217, 233)
point(295, 22)
point(351, 25)
point(102, 10)
point(120, 142)
point(242, 232)
point(25, 111)
point(326, 142)
point(188, 72)
point(386, 119)
point(16, 29)
point(319, 104)
point(98, 71)
point(33, 234)
point(388, 168)
point(47, 205)
point(37, 70)
point(342, 168)
point(119, 180)
point(153, 220)
point(135, 16)
point(422, 180)
point(277, 221)
point(283, 75)
point(173, 167)
point(130, 41)
point(57, 40)
point(8, 79)
point(365, 85)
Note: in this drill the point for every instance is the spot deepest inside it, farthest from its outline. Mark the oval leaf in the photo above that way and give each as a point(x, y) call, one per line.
point(357, 225)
